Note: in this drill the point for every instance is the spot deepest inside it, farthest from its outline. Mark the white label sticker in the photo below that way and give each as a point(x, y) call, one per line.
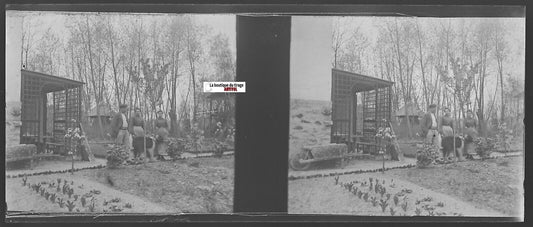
point(225, 87)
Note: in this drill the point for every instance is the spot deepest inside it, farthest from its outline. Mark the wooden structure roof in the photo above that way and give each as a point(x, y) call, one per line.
point(361, 82)
point(53, 83)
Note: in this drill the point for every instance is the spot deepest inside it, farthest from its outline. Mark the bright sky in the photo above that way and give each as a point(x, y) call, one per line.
point(56, 22)
point(311, 52)
point(311, 58)
point(220, 23)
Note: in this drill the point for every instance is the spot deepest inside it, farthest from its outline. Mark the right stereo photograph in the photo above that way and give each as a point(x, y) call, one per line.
point(407, 116)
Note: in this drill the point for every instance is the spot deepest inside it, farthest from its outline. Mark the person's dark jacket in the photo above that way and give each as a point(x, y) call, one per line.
point(116, 124)
point(425, 124)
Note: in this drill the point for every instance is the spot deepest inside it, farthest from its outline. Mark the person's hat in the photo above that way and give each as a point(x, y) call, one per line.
point(123, 106)
point(159, 111)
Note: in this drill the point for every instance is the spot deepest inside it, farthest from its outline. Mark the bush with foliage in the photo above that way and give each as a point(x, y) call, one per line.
point(194, 139)
point(504, 137)
point(74, 140)
point(484, 147)
point(220, 144)
point(116, 156)
point(176, 147)
point(386, 136)
point(230, 137)
point(427, 155)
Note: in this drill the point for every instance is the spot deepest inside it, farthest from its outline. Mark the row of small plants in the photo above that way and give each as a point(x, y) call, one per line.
point(375, 192)
point(53, 172)
point(351, 172)
point(63, 194)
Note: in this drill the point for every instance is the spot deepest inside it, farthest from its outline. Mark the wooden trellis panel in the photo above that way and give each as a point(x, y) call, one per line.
point(67, 107)
point(31, 96)
point(343, 100)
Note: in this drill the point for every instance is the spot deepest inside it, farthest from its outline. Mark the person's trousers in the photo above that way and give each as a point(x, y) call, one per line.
point(124, 138)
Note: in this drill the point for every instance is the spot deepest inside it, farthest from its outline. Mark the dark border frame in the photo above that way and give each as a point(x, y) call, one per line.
point(334, 7)
point(419, 10)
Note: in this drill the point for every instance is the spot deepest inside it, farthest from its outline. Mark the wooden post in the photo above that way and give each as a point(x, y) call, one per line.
point(72, 155)
point(144, 139)
point(351, 120)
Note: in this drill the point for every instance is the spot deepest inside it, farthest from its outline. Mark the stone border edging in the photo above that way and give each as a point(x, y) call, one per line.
point(378, 170)
point(49, 172)
point(359, 171)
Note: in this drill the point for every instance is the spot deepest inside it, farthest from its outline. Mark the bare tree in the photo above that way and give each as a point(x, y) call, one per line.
point(500, 53)
point(174, 44)
point(193, 49)
point(338, 41)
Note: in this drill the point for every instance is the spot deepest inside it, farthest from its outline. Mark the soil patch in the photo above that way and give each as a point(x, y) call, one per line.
point(203, 185)
point(322, 196)
point(494, 183)
point(23, 198)
point(181, 186)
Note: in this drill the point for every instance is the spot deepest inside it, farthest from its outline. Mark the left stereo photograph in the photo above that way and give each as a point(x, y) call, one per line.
point(106, 113)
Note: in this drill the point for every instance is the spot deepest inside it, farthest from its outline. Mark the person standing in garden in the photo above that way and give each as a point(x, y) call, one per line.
point(136, 128)
point(119, 127)
point(430, 127)
point(446, 129)
point(161, 126)
point(470, 130)
point(446, 124)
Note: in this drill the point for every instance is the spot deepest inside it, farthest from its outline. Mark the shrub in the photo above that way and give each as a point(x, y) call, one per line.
point(426, 156)
point(220, 143)
point(484, 146)
point(194, 139)
point(504, 137)
point(176, 147)
point(116, 156)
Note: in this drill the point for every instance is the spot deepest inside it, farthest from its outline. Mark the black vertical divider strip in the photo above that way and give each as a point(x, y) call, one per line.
point(262, 114)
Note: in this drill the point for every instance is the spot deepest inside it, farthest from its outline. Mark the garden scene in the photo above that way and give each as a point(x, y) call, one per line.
point(424, 117)
point(108, 114)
